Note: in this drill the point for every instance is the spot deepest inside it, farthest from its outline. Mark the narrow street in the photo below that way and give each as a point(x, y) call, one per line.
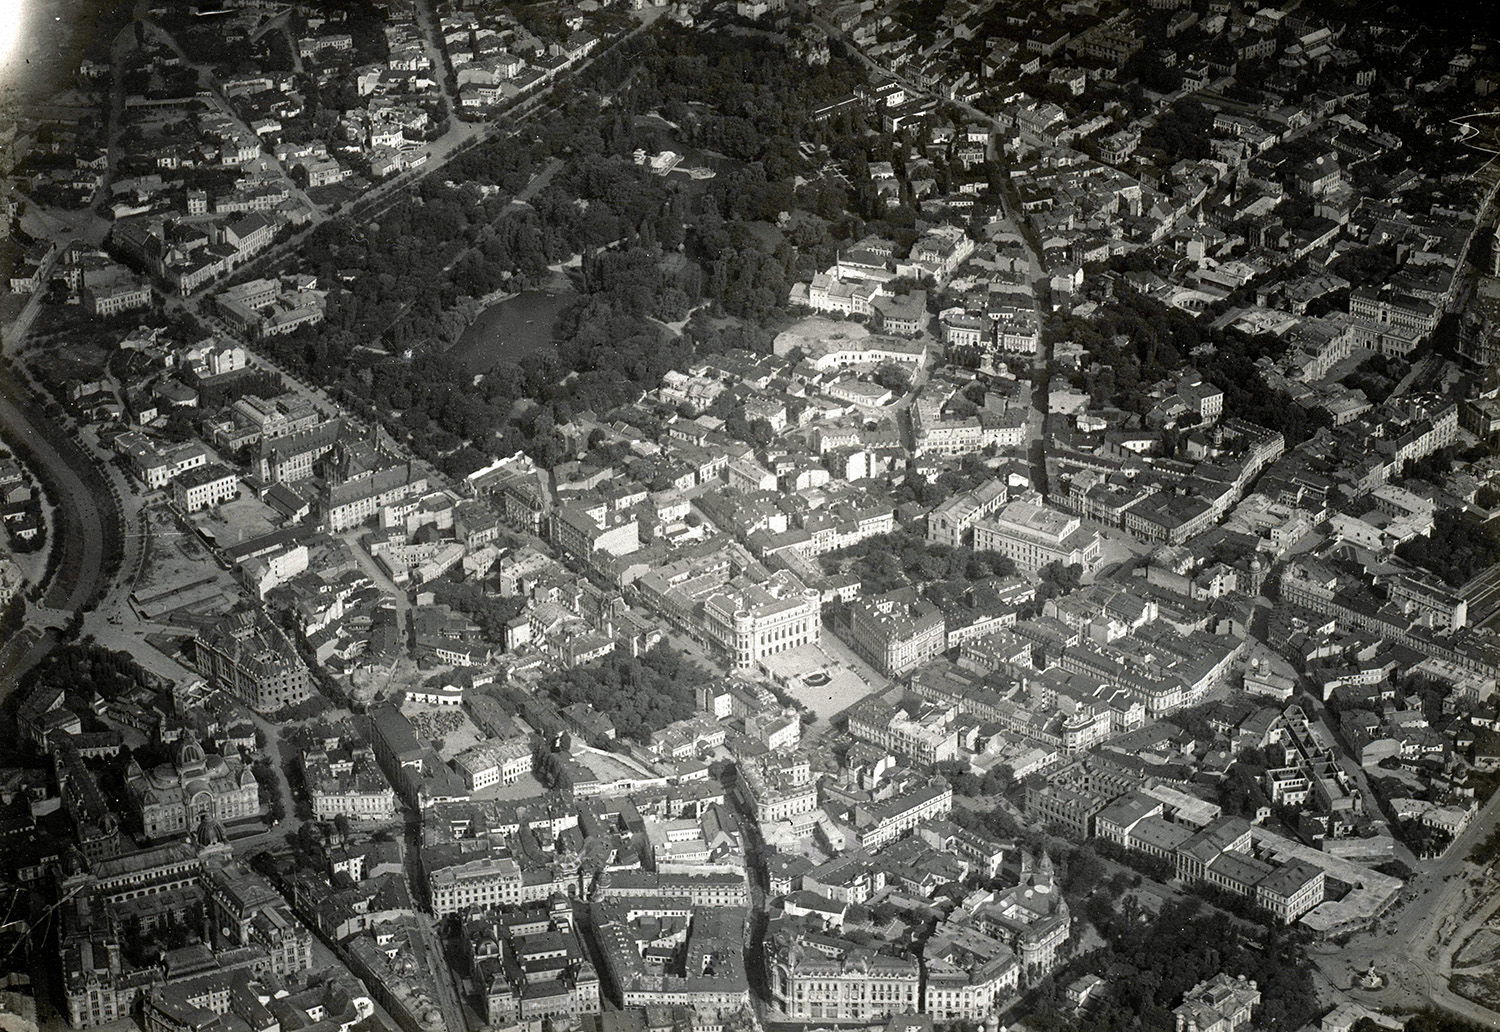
point(124, 44)
point(376, 573)
point(15, 333)
point(433, 43)
point(267, 161)
point(757, 883)
point(460, 138)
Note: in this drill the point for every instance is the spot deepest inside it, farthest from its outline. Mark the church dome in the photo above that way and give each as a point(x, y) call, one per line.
point(190, 757)
point(211, 832)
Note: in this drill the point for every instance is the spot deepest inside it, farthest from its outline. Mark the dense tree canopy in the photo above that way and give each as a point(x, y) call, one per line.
point(654, 249)
point(899, 559)
point(1459, 547)
point(640, 694)
point(1133, 341)
point(1150, 961)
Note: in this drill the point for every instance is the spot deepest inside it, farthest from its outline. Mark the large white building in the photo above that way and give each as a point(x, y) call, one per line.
point(494, 763)
point(857, 984)
point(927, 740)
point(880, 824)
point(753, 621)
point(1220, 1004)
point(779, 786)
point(1033, 536)
point(347, 782)
point(458, 882)
point(952, 521)
point(205, 487)
point(174, 798)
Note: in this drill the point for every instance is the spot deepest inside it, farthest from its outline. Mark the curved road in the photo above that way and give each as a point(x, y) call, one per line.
point(82, 527)
point(1414, 946)
point(79, 525)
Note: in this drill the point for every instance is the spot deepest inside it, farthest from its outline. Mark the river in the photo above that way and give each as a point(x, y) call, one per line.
point(511, 329)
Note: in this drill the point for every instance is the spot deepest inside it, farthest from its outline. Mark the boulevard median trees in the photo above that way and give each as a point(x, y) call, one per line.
point(1486, 852)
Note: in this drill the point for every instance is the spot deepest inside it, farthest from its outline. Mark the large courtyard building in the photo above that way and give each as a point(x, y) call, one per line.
point(1033, 536)
point(174, 798)
point(251, 658)
point(753, 621)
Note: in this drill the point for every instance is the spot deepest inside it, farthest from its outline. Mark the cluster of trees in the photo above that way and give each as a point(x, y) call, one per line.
point(892, 377)
point(1486, 852)
point(1058, 579)
point(1375, 376)
point(266, 774)
point(1135, 341)
point(639, 694)
point(1184, 130)
point(84, 668)
point(1459, 547)
point(654, 249)
point(959, 594)
point(901, 558)
point(1240, 792)
point(998, 780)
point(1366, 266)
point(996, 822)
point(1435, 467)
point(966, 476)
point(1147, 865)
point(741, 96)
point(1423, 839)
point(1150, 960)
point(547, 764)
point(491, 611)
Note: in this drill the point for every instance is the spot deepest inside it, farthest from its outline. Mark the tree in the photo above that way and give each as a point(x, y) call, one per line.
point(761, 432)
point(1085, 871)
point(892, 377)
point(1459, 547)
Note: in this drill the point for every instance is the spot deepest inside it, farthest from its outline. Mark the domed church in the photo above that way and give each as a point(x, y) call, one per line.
point(176, 797)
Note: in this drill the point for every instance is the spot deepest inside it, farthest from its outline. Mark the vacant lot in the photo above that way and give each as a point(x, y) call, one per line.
point(609, 767)
point(525, 787)
point(179, 572)
point(237, 521)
